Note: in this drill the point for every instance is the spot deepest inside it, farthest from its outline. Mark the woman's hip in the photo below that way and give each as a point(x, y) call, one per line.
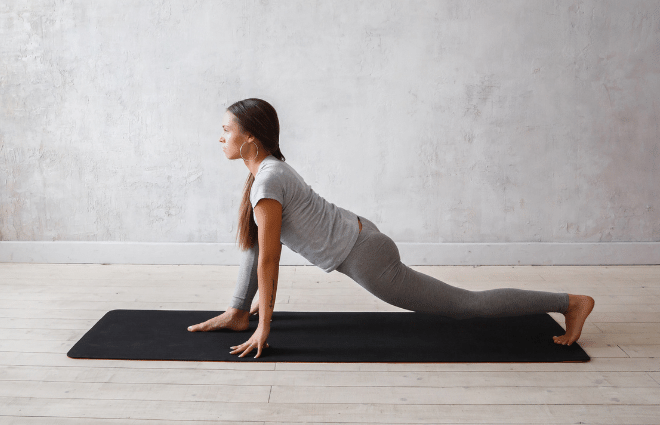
point(372, 255)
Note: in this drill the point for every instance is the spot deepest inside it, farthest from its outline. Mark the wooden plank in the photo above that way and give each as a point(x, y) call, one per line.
point(66, 305)
point(625, 327)
point(594, 291)
point(603, 351)
point(327, 378)
point(333, 394)
point(50, 313)
point(346, 413)
point(630, 300)
point(618, 317)
point(50, 420)
point(115, 294)
point(641, 350)
point(625, 364)
point(74, 285)
point(41, 334)
point(466, 395)
point(31, 323)
point(137, 391)
point(656, 376)
point(625, 308)
point(114, 271)
point(650, 338)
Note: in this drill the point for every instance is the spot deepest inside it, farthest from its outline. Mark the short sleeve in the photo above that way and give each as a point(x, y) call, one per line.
point(271, 187)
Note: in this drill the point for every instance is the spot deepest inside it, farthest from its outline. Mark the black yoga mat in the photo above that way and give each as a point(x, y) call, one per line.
point(397, 337)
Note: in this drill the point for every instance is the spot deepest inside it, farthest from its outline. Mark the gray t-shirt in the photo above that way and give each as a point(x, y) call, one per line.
point(318, 230)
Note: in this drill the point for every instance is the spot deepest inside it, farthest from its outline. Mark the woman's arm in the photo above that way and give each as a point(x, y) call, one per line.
point(268, 213)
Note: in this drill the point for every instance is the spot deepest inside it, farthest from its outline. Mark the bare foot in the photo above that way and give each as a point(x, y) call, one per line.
point(234, 319)
point(579, 307)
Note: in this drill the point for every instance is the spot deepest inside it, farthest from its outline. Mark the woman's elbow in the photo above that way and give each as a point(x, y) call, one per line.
point(269, 261)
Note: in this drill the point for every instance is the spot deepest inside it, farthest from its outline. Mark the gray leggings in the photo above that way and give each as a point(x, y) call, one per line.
point(374, 263)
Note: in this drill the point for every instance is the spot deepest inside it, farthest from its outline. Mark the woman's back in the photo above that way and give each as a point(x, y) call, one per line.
point(319, 230)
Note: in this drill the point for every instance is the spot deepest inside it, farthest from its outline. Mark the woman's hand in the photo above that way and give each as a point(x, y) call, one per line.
point(258, 340)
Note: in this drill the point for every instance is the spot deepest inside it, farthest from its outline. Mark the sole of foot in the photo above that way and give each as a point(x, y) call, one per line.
point(579, 308)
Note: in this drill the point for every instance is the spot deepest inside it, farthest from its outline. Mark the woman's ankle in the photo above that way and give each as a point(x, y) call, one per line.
point(238, 313)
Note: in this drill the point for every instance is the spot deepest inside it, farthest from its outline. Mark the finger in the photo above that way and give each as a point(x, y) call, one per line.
point(243, 346)
point(245, 353)
point(244, 350)
point(258, 351)
point(238, 348)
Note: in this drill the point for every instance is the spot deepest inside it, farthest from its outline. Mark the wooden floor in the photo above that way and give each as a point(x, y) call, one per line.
point(45, 309)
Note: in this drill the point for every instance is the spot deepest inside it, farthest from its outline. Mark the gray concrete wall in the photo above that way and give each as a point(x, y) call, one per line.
point(441, 121)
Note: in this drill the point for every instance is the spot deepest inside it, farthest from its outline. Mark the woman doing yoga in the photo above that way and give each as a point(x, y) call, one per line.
point(278, 208)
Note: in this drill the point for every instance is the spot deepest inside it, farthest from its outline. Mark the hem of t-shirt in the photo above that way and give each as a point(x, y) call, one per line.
point(349, 247)
point(261, 196)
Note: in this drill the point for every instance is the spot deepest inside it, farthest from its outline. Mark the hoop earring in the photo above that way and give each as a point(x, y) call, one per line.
point(241, 152)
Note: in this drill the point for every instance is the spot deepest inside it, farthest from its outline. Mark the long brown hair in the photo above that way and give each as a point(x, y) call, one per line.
point(259, 118)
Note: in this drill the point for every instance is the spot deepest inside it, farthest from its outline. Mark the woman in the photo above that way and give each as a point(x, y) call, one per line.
point(279, 207)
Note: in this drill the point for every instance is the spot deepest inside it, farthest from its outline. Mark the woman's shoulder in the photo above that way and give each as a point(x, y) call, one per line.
point(272, 167)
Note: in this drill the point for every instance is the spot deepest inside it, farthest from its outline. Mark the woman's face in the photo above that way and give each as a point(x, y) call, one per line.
point(232, 138)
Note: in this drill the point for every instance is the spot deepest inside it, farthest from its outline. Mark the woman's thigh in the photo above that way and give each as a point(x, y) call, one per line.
point(375, 264)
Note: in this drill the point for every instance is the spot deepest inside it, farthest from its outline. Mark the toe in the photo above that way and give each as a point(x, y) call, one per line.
point(196, 328)
point(562, 340)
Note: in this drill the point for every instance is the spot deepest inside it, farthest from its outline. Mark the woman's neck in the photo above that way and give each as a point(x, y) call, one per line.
point(253, 165)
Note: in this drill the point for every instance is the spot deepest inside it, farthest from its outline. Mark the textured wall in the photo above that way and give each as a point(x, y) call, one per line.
point(441, 121)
